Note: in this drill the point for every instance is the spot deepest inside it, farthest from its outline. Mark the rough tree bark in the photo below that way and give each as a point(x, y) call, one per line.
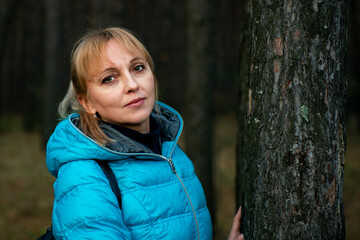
point(293, 151)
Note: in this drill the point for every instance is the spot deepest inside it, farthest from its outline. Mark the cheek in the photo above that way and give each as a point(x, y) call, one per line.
point(150, 86)
point(105, 99)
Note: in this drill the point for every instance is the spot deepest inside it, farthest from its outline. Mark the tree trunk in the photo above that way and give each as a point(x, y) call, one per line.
point(52, 69)
point(242, 91)
point(293, 150)
point(199, 95)
point(32, 64)
point(353, 58)
point(7, 22)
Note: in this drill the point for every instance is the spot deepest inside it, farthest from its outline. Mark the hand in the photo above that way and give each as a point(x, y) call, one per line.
point(235, 228)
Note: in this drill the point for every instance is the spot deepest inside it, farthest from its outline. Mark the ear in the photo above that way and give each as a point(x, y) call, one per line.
point(87, 105)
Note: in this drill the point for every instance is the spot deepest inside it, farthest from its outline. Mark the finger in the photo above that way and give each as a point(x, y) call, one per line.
point(237, 221)
point(240, 237)
point(238, 214)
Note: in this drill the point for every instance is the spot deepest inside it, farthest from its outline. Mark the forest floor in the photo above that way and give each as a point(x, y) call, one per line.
point(26, 187)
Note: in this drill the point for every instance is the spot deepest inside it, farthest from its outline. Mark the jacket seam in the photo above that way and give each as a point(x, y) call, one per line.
point(151, 220)
point(164, 220)
point(72, 229)
point(71, 191)
point(156, 186)
point(58, 157)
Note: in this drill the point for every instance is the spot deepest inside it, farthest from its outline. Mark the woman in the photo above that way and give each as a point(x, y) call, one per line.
point(117, 119)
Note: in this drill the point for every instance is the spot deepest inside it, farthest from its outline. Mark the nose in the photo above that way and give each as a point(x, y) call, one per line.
point(130, 83)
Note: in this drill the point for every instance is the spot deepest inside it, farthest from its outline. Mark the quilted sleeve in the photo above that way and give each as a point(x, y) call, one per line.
point(85, 206)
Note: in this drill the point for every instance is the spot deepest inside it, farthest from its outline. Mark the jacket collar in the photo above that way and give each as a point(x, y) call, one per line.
point(69, 143)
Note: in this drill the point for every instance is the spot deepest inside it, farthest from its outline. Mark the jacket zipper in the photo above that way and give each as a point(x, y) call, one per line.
point(172, 166)
point(169, 160)
point(187, 195)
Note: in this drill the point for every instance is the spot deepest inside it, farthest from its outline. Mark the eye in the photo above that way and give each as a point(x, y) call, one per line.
point(139, 68)
point(108, 79)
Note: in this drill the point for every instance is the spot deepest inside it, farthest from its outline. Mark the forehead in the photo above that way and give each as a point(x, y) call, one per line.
point(114, 47)
point(111, 49)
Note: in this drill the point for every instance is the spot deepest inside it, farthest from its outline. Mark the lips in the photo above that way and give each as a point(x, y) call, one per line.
point(135, 102)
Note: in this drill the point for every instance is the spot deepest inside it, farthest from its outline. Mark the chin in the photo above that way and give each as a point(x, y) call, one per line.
point(139, 118)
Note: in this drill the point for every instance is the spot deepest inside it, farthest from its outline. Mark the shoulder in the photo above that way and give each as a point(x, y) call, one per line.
point(69, 144)
point(82, 182)
point(78, 174)
point(83, 198)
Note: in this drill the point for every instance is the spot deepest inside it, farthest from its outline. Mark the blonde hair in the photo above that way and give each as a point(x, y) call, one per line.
point(87, 51)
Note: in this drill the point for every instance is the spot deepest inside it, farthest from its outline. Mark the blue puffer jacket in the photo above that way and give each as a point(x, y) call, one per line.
point(161, 196)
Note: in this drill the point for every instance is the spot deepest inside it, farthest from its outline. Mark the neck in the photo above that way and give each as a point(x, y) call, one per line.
point(141, 128)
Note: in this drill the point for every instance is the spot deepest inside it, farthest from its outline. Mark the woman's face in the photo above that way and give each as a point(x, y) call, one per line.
point(122, 89)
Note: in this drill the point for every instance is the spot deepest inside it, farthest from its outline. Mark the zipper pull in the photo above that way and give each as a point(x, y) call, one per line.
point(172, 166)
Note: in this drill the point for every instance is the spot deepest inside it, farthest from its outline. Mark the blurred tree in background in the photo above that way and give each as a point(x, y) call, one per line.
point(199, 92)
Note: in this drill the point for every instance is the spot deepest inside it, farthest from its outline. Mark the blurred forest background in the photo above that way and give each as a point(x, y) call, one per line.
point(36, 38)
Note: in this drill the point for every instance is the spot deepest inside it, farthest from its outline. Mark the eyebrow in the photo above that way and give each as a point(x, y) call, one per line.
point(99, 76)
point(137, 58)
point(110, 69)
point(113, 69)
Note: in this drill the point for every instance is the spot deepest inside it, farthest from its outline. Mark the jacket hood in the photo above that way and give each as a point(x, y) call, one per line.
point(68, 143)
